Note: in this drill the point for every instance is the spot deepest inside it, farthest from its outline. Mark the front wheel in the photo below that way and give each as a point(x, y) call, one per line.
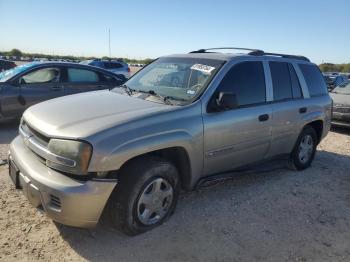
point(304, 149)
point(145, 196)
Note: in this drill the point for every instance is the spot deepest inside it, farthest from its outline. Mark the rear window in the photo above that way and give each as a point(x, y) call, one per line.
point(314, 80)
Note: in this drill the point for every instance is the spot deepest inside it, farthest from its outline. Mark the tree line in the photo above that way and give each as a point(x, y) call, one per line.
point(328, 67)
point(18, 54)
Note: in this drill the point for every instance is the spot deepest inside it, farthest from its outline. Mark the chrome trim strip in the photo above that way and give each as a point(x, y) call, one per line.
point(42, 151)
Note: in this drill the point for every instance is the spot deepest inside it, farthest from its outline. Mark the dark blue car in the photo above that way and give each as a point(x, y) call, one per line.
point(28, 84)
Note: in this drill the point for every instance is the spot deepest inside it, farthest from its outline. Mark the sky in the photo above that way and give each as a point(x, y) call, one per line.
point(319, 29)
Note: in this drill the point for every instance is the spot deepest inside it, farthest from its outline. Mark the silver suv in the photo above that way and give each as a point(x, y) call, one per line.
point(182, 120)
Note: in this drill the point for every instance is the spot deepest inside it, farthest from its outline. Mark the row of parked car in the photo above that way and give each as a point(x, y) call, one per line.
point(179, 122)
point(31, 83)
point(334, 79)
point(338, 85)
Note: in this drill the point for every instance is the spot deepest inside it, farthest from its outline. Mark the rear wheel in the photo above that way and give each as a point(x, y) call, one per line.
point(145, 196)
point(304, 149)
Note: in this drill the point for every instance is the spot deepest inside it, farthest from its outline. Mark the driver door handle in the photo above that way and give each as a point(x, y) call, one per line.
point(302, 110)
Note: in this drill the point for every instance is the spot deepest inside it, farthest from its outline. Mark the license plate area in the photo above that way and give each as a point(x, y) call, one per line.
point(14, 174)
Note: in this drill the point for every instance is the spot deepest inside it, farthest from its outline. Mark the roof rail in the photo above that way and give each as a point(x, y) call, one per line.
point(255, 52)
point(220, 48)
point(288, 56)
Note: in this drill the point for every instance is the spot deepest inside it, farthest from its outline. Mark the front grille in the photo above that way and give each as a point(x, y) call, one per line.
point(55, 201)
point(44, 140)
point(35, 141)
point(341, 109)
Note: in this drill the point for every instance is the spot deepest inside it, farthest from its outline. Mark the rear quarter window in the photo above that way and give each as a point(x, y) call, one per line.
point(314, 80)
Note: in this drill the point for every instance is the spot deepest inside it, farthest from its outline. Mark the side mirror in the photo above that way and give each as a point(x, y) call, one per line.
point(226, 101)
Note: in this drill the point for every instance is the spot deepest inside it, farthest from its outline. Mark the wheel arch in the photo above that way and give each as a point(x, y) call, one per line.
point(317, 125)
point(178, 156)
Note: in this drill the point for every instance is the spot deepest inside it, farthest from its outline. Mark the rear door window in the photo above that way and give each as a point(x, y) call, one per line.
point(281, 81)
point(314, 80)
point(81, 75)
point(247, 81)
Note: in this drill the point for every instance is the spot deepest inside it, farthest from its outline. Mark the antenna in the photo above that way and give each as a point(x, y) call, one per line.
point(109, 42)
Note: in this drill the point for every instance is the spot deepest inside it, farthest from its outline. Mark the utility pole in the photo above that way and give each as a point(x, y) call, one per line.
point(109, 42)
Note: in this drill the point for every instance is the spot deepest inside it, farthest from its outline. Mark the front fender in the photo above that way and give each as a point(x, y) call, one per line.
point(146, 144)
point(181, 128)
point(121, 153)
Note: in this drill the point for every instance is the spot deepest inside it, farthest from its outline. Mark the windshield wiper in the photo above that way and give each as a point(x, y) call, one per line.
point(127, 89)
point(166, 99)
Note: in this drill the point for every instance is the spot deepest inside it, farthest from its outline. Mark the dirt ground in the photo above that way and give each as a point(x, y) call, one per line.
point(271, 215)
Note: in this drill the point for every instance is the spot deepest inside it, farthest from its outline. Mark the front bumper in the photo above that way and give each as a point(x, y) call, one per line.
point(341, 119)
point(65, 200)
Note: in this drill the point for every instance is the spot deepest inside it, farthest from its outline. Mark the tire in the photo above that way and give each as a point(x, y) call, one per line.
point(304, 150)
point(144, 180)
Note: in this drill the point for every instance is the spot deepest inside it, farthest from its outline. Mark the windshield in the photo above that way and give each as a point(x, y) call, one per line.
point(6, 75)
point(329, 79)
point(343, 88)
point(179, 79)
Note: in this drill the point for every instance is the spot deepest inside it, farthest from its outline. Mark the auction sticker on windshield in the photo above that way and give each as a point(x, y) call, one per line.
point(203, 68)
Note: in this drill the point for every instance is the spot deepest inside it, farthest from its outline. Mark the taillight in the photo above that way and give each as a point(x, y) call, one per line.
point(129, 69)
point(332, 108)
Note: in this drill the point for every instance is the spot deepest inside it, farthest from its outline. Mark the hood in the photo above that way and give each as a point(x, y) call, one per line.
point(340, 99)
point(85, 114)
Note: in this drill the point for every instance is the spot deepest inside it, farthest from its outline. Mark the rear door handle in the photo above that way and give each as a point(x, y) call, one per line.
point(56, 88)
point(302, 110)
point(263, 118)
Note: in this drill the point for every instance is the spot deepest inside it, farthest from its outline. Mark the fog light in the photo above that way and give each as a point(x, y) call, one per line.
point(102, 174)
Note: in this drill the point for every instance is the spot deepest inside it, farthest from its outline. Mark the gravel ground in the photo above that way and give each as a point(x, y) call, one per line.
point(274, 215)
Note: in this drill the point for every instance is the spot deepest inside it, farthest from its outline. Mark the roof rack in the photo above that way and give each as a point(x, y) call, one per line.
point(220, 48)
point(254, 52)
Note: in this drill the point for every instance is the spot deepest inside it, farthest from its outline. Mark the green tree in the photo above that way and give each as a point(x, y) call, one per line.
point(15, 52)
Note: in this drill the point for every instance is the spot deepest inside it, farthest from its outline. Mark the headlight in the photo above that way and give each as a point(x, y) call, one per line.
point(69, 156)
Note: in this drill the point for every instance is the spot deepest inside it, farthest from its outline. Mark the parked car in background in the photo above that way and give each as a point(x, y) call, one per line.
point(28, 84)
point(341, 104)
point(118, 67)
point(334, 80)
point(5, 65)
point(135, 147)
